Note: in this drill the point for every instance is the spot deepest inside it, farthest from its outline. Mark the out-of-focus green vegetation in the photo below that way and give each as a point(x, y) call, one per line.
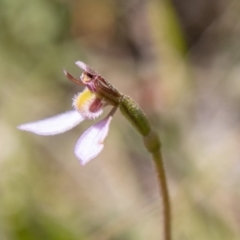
point(180, 60)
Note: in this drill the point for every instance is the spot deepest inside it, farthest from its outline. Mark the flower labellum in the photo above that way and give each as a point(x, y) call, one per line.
point(88, 104)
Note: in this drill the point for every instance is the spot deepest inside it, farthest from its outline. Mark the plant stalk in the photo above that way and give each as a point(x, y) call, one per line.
point(157, 158)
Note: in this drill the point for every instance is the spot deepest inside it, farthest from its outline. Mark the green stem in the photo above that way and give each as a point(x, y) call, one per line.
point(157, 157)
point(152, 143)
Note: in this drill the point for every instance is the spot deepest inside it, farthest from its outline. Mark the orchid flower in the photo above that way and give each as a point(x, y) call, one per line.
point(87, 105)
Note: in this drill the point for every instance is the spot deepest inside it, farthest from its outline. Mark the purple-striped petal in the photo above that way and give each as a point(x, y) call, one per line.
point(90, 144)
point(54, 125)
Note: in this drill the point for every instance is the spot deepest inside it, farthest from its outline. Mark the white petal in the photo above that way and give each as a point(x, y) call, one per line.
point(90, 144)
point(54, 125)
point(85, 67)
point(82, 65)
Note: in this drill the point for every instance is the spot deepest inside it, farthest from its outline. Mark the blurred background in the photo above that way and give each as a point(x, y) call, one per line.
point(180, 60)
